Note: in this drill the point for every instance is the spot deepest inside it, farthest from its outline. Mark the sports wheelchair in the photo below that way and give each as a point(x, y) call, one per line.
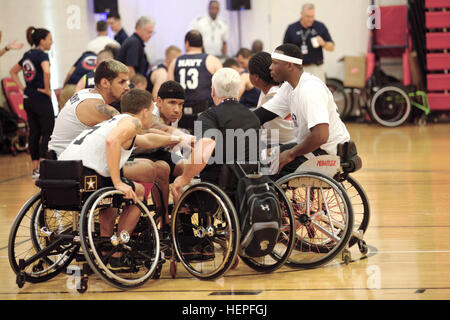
point(207, 214)
point(330, 207)
point(61, 224)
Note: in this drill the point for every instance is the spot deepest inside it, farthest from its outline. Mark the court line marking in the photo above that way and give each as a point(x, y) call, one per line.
point(414, 289)
point(14, 178)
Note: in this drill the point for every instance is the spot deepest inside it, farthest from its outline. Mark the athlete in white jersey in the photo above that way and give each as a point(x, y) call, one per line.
point(90, 147)
point(68, 125)
point(105, 148)
point(89, 107)
point(318, 127)
point(279, 130)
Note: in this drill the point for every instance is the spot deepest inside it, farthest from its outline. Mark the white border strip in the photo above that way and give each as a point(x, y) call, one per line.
point(283, 57)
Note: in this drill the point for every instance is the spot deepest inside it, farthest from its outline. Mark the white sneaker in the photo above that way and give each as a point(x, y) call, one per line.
point(35, 174)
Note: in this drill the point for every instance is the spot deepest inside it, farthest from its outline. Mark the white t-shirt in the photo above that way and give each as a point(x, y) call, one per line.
point(310, 103)
point(98, 44)
point(285, 127)
point(67, 124)
point(214, 33)
point(90, 147)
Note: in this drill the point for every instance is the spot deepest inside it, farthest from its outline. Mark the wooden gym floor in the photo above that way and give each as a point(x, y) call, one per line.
point(406, 175)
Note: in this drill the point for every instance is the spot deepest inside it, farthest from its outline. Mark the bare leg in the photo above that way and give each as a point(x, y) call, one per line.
point(142, 170)
point(162, 178)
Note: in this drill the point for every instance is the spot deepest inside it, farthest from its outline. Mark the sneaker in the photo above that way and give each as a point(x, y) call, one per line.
point(35, 175)
point(119, 264)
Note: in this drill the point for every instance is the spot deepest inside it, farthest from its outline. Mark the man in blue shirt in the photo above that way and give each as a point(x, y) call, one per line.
point(132, 52)
point(115, 23)
point(311, 36)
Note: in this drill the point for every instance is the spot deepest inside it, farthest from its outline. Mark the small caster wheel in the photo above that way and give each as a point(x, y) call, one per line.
point(346, 257)
point(20, 280)
point(363, 248)
point(422, 122)
point(235, 264)
point(83, 285)
point(173, 269)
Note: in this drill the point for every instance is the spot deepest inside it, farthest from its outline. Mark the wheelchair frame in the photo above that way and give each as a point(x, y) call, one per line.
point(56, 249)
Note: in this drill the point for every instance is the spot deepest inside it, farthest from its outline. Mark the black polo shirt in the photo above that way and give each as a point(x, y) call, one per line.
point(296, 33)
point(132, 54)
point(235, 145)
point(121, 36)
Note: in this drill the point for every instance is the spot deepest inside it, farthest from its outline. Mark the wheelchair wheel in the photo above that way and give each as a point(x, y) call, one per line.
point(390, 106)
point(285, 243)
point(323, 218)
point(205, 231)
point(139, 250)
point(39, 249)
point(340, 96)
point(361, 208)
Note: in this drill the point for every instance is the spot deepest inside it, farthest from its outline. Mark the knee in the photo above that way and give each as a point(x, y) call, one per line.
point(139, 190)
point(149, 174)
point(162, 169)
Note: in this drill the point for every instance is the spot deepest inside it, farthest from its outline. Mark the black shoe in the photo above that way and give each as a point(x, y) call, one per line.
point(119, 264)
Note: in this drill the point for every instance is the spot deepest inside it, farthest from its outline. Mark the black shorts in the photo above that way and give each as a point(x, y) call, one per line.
point(160, 155)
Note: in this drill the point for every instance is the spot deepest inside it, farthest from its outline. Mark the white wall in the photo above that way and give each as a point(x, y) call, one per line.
point(267, 20)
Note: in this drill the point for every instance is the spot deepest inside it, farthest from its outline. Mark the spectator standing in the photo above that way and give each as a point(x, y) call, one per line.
point(35, 65)
point(115, 23)
point(311, 36)
point(132, 51)
point(214, 31)
point(98, 44)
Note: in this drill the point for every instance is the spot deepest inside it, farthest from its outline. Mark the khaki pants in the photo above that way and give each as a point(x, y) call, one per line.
point(316, 70)
point(66, 93)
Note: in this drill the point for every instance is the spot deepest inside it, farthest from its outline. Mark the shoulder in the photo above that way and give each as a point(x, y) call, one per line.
point(131, 41)
point(221, 21)
point(293, 26)
point(41, 55)
point(319, 25)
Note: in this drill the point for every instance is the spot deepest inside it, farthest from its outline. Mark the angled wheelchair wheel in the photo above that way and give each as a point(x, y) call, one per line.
point(40, 246)
point(340, 97)
point(323, 218)
point(137, 253)
point(361, 208)
point(390, 106)
point(285, 243)
point(205, 231)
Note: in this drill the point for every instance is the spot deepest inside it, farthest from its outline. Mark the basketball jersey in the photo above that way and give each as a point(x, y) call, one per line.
point(84, 64)
point(190, 71)
point(67, 124)
point(90, 147)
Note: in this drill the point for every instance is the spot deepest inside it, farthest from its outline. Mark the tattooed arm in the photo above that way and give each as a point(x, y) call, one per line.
point(93, 111)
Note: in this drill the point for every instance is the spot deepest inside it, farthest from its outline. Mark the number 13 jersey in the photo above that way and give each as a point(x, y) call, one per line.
point(191, 72)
